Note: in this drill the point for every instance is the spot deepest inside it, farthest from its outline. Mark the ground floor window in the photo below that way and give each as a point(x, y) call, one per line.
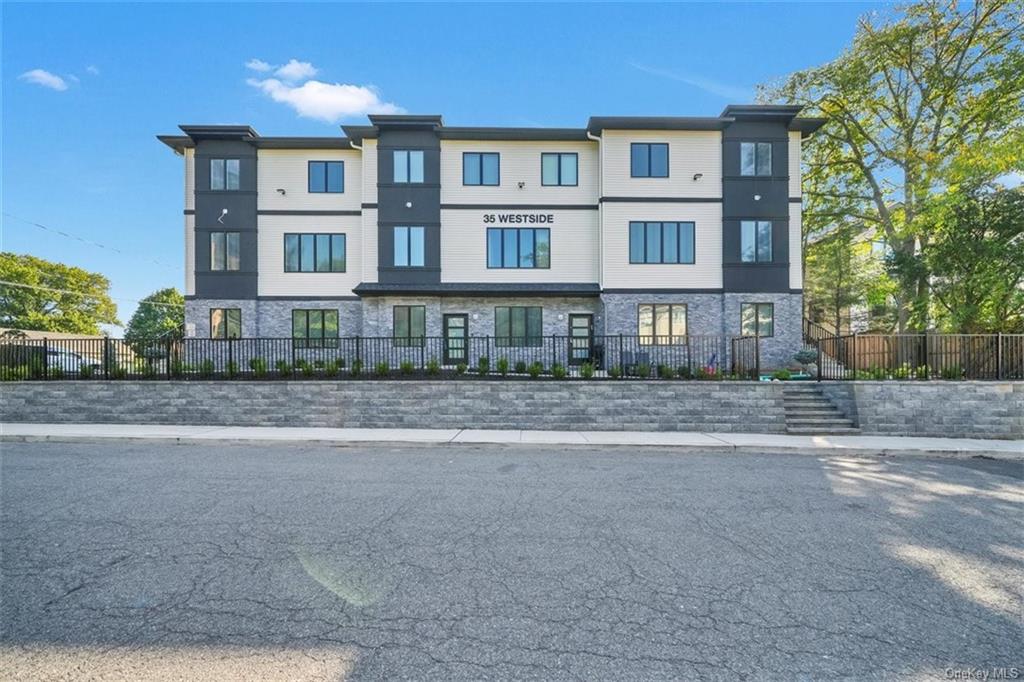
point(661, 323)
point(315, 328)
point(410, 325)
point(225, 323)
point(757, 319)
point(518, 326)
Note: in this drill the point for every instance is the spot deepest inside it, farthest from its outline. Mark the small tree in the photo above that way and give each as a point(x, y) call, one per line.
point(159, 315)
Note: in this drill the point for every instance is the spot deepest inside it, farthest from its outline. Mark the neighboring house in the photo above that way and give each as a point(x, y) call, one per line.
point(654, 226)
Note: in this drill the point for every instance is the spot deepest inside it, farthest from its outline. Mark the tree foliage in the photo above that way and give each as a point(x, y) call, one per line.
point(62, 298)
point(159, 315)
point(925, 97)
point(842, 272)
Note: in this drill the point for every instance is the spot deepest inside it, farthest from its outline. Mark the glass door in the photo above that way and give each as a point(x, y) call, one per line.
point(456, 335)
point(581, 338)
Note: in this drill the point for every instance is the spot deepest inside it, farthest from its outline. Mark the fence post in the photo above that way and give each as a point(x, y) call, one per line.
point(106, 357)
point(818, 345)
point(554, 351)
point(757, 354)
point(46, 358)
point(999, 355)
point(855, 356)
point(168, 358)
point(622, 367)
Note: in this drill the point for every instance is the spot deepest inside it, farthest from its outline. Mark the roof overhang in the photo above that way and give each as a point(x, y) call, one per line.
point(597, 124)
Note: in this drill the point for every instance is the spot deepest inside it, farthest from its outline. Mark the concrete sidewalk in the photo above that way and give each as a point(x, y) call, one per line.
point(684, 442)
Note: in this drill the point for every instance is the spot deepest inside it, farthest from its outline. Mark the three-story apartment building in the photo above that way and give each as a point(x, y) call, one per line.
point(661, 227)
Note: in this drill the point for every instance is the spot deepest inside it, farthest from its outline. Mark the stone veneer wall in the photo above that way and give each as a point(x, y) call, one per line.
point(778, 350)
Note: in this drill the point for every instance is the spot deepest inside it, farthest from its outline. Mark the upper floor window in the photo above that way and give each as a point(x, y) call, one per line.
point(756, 241)
point(480, 168)
point(409, 325)
point(225, 174)
point(314, 252)
point(326, 177)
point(661, 323)
point(518, 326)
point(225, 323)
point(661, 242)
point(518, 248)
point(408, 166)
point(649, 160)
point(755, 158)
point(315, 328)
point(757, 319)
point(225, 251)
point(409, 246)
point(559, 169)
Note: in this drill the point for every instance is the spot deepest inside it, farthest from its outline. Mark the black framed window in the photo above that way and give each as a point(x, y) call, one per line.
point(225, 323)
point(518, 326)
point(481, 168)
point(648, 159)
point(757, 319)
point(755, 158)
point(561, 169)
point(511, 247)
point(409, 247)
point(756, 241)
point(661, 324)
point(326, 177)
point(314, 252)
point(225, 174)
point(662, 242)
point(315, 328)
point(410, 325)
point(408, 166)
point(225, 251)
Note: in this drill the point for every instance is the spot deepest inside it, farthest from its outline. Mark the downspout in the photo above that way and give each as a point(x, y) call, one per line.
point(600, 226)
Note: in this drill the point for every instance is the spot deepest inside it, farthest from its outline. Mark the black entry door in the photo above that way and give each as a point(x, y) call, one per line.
point(456, 335)
point(581, 338)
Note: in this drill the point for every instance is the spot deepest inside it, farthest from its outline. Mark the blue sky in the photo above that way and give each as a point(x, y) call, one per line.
point(87, 87)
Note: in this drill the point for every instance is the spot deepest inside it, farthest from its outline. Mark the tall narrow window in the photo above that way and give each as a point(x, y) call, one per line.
point(757, 319)
point(756, 241)
point(518, 326)
point(480, 168)
point(755, 158)
point(559, 169)
point(661, 323)
point(649, 159)
point(661, 242)
point(408, 166)
point(518, 247)
point(327, 177)
point(315, 328)
point(225, 323)
point(225, 251)
point(409, 247)
point(319, 252)
point(410, 325)
point(225, 174)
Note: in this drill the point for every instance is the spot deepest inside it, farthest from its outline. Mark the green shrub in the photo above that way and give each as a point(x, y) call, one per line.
point(56, 373)
point(558, 370)
point(231, 369)
point(483, 365)
point(433, 368)
point(684, 372)
point(331, 369)
point(862, 375)
point(503, 366)
point(19, 373)
point(283, 367)
point(921, 372)
point(308, 370)
point(535, 369)
point(206, 368)
point(665, 372)
point(340, 362)
point(708, 374)
point(406, 367)
point(782, 375)
point(258, 367)
point(36, 368)
point(86, 371)
point(118, 372)
point(643, 370)
point(148, 371)
point(615, 372)
point(586, 370)
point(520, 367)
point(319, 364)
point(357, 367)
point(381, 369)
point(806, 356)
point(461, 368)
point(952, 373)
point(878, 373)
point(902, 372)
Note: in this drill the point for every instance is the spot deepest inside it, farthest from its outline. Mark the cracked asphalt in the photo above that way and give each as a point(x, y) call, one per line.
point(136, 561)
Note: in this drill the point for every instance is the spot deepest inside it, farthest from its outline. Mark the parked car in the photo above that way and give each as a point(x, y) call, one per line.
point(69, 362)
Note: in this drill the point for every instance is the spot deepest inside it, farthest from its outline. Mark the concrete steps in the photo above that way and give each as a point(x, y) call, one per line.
point(809, 412)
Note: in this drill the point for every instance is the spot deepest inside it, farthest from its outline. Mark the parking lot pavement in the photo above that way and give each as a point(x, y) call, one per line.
point(533, 561)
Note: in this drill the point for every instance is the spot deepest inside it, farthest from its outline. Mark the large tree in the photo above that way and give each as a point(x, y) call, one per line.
point(42, 295)
point(842, 271)
point(159, 315)
point(924, 95)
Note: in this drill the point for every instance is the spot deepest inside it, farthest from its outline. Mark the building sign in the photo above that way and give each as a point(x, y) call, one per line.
point(519, 218)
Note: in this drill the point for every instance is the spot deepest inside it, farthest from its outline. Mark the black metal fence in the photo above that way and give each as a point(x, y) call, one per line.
point(617, 356)
point(921, 356)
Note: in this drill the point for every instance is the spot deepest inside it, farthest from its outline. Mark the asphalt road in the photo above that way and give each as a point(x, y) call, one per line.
point(465, 562)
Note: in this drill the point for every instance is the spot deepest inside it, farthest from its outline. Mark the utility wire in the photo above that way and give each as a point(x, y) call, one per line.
point(82, 293)
point(89, 242)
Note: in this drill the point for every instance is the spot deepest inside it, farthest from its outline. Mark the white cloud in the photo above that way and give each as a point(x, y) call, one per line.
point(93, 69)
point(45, 79)
point(258, 65)
point(330, 102)
point(296, 71)
point(724, 90)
